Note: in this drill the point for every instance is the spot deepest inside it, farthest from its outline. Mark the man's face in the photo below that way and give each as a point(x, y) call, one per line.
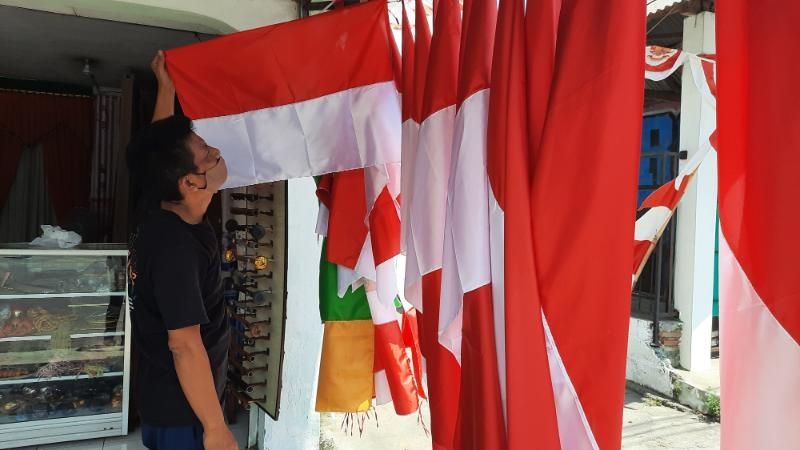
point(205, 156)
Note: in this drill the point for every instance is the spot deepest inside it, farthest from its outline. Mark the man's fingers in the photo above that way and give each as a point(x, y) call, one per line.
point(158, 61)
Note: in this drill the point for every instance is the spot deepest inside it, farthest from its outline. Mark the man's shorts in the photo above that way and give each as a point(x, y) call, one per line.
point(172, 438)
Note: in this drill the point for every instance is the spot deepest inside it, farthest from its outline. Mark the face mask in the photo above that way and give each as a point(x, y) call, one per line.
point(215, 176)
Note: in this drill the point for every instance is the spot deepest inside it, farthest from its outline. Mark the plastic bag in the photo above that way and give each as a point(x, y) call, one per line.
point(56, 237)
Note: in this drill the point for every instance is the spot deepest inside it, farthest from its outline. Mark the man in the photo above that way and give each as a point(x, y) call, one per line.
point(177, 310)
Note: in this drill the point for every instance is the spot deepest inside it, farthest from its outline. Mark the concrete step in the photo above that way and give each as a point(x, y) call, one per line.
point(697, 390)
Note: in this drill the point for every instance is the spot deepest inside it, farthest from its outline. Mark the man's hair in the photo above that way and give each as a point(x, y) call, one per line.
point(159, 156)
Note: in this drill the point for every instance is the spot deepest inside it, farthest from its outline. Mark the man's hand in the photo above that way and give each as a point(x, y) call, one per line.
point(159, 66)
point(165, 100)
point(219, 439)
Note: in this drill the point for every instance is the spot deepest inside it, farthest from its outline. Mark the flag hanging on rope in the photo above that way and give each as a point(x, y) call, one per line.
point(660, 63)
point(466, 328)
point(259, 96)
point(759, 138)
point(660, 207)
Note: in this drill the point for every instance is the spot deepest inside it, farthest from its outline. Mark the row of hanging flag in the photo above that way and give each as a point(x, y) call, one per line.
point(510, 222)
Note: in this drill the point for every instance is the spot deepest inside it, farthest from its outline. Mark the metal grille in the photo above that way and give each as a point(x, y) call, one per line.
point(653, 292)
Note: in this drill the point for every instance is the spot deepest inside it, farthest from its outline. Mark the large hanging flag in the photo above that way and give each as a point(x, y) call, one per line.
point(409, 147)
point(588, 156)
point(526, 390)
point(416, 98)
point(759, 138)
point(259, 96)
point(426, 214)
point(410, 119)
point(466, 328)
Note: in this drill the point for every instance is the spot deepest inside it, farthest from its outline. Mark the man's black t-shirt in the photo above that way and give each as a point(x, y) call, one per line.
point(175, 283)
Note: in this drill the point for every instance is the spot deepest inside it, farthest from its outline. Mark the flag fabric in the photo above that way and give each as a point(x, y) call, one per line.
point(660, 63)
point(363, 216)
point(264, 104)
point(430, 176)
point(581, 256)
point(347, 360)
point(416, 99)
point(409, 146)
point(759, 134)
point(414, 77)
point(522, 358)
point(409, 116)
point(660, 205)
point(465, 326)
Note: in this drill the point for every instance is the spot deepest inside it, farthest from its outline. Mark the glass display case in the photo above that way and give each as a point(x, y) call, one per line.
point(64, 344)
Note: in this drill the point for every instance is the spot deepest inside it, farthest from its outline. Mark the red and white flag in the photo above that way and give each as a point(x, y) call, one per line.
point(466, 327)
point(260, 96)
point(414, 69)
point(660, 207)
point(660, 63)
point(426, 214)
point(409, 147)
point(581, 206)
point(526, 390)
point(759, 138)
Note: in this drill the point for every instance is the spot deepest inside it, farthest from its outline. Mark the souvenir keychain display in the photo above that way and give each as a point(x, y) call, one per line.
point(254, 255)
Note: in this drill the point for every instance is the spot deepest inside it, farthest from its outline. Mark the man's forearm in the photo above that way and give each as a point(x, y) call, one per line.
point(194, 374)
point(165, 102)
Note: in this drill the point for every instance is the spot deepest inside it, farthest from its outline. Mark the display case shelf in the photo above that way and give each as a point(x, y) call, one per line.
point(50, 356)
point(59, 295)
point(48, 337)
point(64, 378)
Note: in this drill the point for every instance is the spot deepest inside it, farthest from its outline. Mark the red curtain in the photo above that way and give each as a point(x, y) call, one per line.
point(63, 125)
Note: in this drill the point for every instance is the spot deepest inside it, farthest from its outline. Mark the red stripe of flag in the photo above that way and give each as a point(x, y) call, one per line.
point(422, 50)
point(272, 66)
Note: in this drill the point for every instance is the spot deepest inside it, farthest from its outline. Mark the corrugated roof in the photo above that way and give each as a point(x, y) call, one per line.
point(654, 6)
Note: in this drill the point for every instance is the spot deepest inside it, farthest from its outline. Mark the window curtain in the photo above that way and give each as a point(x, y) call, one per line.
point(63, 127)
point(28, 204)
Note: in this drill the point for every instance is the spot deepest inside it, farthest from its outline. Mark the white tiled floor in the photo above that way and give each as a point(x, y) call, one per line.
point(133, 441)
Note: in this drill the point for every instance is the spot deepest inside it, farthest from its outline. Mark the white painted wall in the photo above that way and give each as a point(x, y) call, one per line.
point(298, 424)
point(696, 215)
point(207, 16)
point(644, 365)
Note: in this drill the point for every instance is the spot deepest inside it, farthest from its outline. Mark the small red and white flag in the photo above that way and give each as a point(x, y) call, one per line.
point(660, 63)
point(660, 205)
